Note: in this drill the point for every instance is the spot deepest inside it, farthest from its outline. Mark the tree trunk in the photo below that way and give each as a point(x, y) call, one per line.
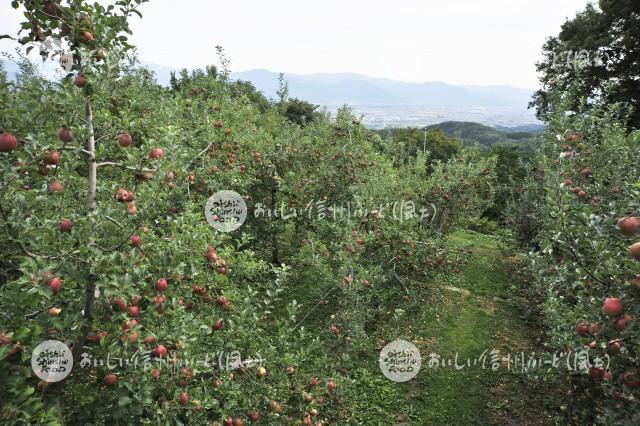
point(90, 286)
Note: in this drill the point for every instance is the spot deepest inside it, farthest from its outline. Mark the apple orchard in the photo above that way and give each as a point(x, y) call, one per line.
point(105, 246)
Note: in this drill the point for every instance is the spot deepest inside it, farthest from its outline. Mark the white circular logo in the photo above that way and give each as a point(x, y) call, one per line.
point(226, 211)
point(400, 361)
point(52, 361)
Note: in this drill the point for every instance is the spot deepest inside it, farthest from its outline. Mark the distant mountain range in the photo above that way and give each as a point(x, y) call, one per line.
point(385, 102)
point(391, 103)
point(358, 89)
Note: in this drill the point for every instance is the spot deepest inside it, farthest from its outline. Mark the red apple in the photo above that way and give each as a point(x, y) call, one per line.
point(593, 329)
point(183, 398)
point(613, 306)
point(596, 373)
point(212, 256)
point(52, 158)
point(132, 209)
point(124, 139)
point(634, 250)
point(161, 285)
point(97, 337)
point(615, 346)
point(155, 373)
point(217, 325)
point(160, 351)
point(156, 153)
point(124, 196)
point(331, 385)
point(8, 142)
point(635, 282)
point(54, 312)
point(582, 329)
point(126, 326)
point(64, 134)
point(86, 36)
point(135, 240)
point(253, 416)
point(55, 187)
point(118, 305)
point(4, 339)
point(54, 284)
point(65, 225)
point(133, 311)
point(133, 337)
point(110, 379)
point(79, 80)
point(149, 340)
point(629, 225)
point(313, 382)
point(623, 322)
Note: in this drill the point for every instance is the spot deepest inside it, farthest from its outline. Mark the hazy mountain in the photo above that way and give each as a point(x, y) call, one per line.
point(389, 103)
point(357, 89)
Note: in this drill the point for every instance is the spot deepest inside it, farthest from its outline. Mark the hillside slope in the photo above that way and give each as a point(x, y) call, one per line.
point(479, 134)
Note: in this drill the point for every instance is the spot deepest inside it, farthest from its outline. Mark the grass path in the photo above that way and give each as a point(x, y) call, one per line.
point(469, 314)
point(479, 320)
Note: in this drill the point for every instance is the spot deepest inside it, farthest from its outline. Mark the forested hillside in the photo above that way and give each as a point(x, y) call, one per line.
point(487, 137)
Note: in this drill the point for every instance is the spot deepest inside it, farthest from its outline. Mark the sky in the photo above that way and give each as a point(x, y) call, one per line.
point(470, 42)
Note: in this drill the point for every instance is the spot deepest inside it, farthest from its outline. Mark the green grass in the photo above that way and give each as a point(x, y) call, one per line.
point(483, 275)
point(465, 313)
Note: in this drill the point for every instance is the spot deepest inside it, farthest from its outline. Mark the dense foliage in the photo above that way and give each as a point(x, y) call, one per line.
point(106, 247)
point(577, 216)
point(595, 59)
